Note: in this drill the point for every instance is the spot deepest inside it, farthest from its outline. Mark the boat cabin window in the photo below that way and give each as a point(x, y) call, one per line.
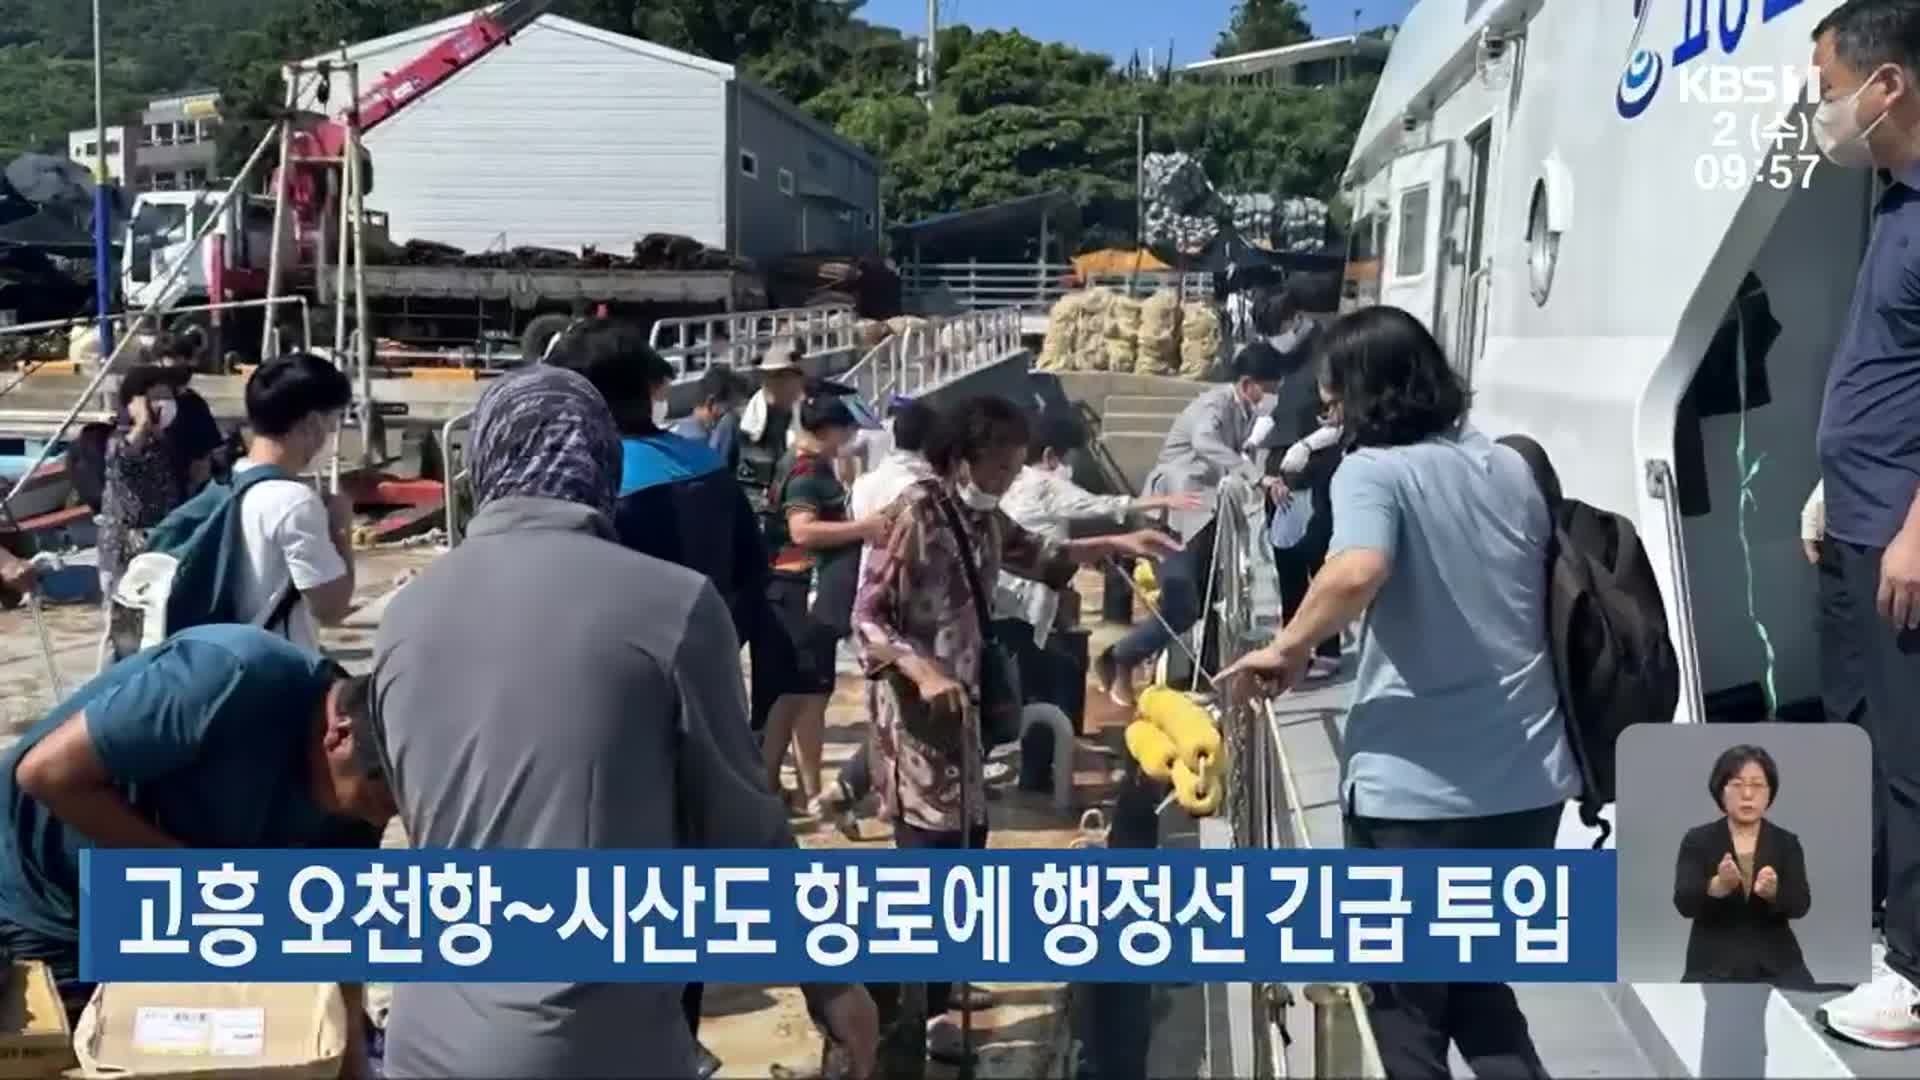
point(156, 227)
point(1410, 260)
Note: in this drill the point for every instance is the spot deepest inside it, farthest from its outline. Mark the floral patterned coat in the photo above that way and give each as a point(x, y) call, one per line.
point(914, 601)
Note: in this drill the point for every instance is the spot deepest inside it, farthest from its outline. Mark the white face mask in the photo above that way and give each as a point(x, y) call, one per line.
point(1837, 130)
point(977, 499)
point(164, 411)
point(1265, 406)
point(660, 407)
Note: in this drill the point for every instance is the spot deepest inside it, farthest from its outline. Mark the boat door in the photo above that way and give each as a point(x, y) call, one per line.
point(1417, 194)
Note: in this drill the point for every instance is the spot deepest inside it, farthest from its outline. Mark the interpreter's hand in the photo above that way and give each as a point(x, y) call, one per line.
point(1766, 883)
point(1145, 544)
point(854, 1021)
point(943, 694)
point(1899, 600)
point(1726, 879)
point(1275, 669)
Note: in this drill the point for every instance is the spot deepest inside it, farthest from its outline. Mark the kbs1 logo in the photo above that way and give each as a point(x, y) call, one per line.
point(1707, 23)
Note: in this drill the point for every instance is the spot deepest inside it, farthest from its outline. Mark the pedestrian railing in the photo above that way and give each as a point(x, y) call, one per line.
point(929, 352)
point(738, 339)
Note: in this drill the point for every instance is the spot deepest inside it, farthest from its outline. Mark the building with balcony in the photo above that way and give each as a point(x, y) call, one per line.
point(1323, 62)
point(172, 145)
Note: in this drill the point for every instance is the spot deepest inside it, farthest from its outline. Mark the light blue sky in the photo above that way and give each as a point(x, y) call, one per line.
point(1117, 27)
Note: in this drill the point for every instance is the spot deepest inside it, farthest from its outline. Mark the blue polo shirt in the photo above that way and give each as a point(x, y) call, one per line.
point(208, 735)
point(1870, 425)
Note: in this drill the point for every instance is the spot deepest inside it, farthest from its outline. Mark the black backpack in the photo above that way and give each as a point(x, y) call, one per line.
point(1613, 658)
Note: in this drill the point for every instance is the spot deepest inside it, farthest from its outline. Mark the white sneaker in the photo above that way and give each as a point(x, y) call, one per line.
point(1879, 1014)
point(998, 772)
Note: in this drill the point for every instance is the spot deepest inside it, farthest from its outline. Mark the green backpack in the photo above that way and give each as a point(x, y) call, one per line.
point(203, 541)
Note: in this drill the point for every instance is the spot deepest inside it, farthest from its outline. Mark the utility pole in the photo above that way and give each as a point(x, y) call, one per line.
point(102, 197)
point(930, 73)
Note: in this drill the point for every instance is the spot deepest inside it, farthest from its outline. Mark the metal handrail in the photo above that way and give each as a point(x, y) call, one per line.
point(750, 333)
point(1661, 484)
point(1250, 805)
point(450, 477)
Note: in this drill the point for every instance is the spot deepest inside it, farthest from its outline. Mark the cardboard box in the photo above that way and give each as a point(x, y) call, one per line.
point(35, 1042)
point(213, 1031)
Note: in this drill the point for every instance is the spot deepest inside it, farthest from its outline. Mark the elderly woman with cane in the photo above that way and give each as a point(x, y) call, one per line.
point(922, 620)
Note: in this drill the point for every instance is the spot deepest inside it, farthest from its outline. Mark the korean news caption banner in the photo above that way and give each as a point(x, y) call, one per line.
point(882, 916)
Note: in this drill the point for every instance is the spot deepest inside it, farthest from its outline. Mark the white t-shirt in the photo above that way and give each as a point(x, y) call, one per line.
point(284, 524)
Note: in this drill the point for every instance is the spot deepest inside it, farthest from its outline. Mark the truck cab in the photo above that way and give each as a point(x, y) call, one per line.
point(231, 262)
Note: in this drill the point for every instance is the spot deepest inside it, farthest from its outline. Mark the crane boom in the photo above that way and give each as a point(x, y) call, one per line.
point(448, 57)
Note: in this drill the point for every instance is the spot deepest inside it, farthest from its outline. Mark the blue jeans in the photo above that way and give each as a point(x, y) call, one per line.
point(1183, 578)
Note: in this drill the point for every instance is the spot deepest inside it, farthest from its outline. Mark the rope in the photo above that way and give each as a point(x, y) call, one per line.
point(1178, 639)
point(1749, 471)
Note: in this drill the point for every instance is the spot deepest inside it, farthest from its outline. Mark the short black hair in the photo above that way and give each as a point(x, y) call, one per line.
point(141, 378)
point(722, 384)
point(1391, 379)
point(615, 356)
point(179, 345)
point(353, 699)
point(975, 428)
point(1732, 760)
point(283, 392)
point(1869, 33)
point(1062, 434)
point(1313, 293)
point(822, 411)
point(1262, 362)
point(913, 425)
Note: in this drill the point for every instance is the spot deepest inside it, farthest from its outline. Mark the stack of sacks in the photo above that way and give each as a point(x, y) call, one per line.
point(1159, 342)
point(1064, 324)
point(1199, 340)
point(1123, 333)
point(1089, 348)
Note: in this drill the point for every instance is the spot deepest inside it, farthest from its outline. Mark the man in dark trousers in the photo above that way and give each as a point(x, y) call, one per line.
point(1297, 446)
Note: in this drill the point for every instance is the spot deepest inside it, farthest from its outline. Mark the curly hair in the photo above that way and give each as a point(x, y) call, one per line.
point(1391, 379)
point(975, 428)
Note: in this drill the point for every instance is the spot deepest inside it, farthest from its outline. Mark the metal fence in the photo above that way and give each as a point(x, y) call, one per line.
point(978, 286)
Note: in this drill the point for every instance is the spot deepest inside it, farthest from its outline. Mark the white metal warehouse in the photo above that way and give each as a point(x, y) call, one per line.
point(574, 136)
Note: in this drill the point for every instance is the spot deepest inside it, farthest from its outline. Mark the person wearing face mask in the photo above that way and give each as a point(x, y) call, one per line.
point(142, 485)
point(721, 391)
point(195, 434)
point(1202, 449)
point(755, 438)
point(1867, 534)
point(921, 636)
point(815, 545)
point(291, 533)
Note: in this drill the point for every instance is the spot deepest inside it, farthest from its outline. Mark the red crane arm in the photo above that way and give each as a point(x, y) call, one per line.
point(451, 55)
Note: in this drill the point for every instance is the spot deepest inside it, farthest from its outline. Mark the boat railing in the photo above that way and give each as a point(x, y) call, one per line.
point(1263, 799)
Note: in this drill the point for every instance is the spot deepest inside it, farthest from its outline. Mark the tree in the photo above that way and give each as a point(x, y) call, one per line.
point(1263, 24)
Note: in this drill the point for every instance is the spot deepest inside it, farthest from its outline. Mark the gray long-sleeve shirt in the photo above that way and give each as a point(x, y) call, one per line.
point(543, 687)
point(1203, 448)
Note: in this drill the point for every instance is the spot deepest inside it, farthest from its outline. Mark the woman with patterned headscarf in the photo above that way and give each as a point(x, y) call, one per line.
point(543, 686)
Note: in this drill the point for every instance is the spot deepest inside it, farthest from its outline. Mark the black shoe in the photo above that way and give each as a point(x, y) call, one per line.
point(705, 1064)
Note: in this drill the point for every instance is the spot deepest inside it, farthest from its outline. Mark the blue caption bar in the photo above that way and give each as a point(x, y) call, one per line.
point(775, 917)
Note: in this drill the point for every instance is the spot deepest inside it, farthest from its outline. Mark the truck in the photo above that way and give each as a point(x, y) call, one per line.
point(472, 312)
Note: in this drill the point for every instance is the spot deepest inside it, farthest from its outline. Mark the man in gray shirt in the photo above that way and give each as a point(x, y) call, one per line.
point(542, 686)
point(1454, 738)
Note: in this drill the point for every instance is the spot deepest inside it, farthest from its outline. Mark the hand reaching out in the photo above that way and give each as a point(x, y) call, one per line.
point(1766, 883)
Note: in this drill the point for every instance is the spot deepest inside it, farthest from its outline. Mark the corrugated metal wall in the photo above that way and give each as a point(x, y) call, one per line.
point(560, 139)
point(811, 193)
